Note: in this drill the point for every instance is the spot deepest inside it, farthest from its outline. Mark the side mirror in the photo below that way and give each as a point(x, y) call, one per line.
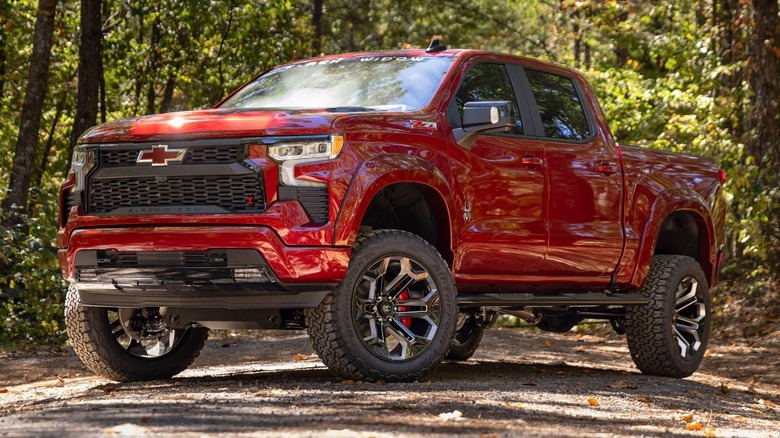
point(479, 117)
point(488, 116)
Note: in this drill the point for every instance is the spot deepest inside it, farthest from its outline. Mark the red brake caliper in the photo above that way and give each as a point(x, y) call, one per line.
point(405, 320)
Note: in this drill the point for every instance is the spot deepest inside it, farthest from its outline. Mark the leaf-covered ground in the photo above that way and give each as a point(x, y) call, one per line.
point(520, 382)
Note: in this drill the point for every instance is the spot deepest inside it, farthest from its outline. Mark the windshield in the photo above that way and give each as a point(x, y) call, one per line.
point(388, 83)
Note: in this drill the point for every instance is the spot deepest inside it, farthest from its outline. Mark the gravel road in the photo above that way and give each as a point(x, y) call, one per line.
point(520, 383)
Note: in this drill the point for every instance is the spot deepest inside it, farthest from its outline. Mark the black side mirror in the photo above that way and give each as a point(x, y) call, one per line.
point(484, 116)
point(488, 117)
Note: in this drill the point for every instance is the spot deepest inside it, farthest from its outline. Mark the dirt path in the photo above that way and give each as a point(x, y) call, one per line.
point(518, 383)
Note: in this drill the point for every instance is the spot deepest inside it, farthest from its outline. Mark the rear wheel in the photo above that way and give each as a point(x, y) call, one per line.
point(669, 335)
point(127, 344)
point(393, 316)
point(468, 335)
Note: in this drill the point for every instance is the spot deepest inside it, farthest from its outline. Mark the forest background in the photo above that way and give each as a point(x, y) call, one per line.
point(692, 76)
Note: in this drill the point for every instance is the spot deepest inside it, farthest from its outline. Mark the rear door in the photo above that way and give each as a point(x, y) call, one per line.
point(586, 188)
point(501, 181)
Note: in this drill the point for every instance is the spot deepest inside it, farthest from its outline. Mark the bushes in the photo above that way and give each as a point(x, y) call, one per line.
point(32, 291)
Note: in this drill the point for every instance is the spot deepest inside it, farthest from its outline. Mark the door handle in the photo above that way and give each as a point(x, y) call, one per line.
point(606, 168)
point(530, 160)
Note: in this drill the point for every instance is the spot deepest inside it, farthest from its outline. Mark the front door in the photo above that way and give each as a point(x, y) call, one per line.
point(501, 181)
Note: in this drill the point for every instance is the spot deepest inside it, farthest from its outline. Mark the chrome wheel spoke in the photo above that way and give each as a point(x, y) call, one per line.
point(125, 326)
point(396, 308)
point(689, 316)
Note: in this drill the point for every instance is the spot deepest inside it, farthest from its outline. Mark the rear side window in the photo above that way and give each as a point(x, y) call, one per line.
point(484, 83)
point(559, 106)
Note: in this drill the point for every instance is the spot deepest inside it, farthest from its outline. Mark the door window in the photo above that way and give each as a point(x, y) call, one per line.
point(484, 83)
point(559, 106)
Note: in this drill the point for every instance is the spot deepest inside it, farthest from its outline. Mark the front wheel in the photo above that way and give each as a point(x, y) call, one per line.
point(126, 344)
point(669, 335)
point(393, 316)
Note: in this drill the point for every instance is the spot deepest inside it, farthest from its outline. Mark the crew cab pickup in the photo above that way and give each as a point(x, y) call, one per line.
point(392, 204)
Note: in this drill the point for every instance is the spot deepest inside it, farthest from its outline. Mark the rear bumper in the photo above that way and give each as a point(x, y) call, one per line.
point(228, 267)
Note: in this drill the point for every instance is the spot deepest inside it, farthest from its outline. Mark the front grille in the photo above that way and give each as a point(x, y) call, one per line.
point(212, 178)
point(231, 193)
point(195, 155)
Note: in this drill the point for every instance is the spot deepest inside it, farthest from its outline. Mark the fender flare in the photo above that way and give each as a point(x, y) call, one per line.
point(376, 173)
point(669, 201)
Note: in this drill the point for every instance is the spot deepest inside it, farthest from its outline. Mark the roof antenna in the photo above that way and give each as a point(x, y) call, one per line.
point(435, 46)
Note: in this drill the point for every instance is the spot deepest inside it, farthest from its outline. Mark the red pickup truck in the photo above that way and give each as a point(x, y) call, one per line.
point(392, 204)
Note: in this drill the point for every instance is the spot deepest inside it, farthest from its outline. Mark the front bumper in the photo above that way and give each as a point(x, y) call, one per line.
point(231, 267)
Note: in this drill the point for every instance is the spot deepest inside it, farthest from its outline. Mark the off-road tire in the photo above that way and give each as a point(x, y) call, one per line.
point(334, 335)
point(649, 328)
point(91, 338)
point(466, 339)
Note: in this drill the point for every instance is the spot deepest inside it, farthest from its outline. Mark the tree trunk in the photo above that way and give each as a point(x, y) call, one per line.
point(316, 23)
point(154, 46)
point(90, 69)
point(170, 85)
point(62, 103)
point(764, 47)
point(5, 10)
point(32, 110)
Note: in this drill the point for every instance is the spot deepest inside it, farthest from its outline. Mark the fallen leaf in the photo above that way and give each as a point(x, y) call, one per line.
point(687, 417)
point(60, 379)
point(145, 419)
point(695, 425)
point(455, 415)
point(593, 401)
point(578, 336)
point(639, 398)
point(548, 343)
point(351, 382)
point(110, 389)
point(3, 390)
point(710, 431)
point(767, 403)
point(299, 357)
point(515, 405)
point(581, 349)
point(696, 393)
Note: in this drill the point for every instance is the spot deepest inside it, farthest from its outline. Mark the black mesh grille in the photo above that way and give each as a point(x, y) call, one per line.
point(234, 193)
point(194, 155)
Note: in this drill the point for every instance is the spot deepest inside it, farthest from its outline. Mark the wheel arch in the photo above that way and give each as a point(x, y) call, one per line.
point(388, 184)
point(679, 224)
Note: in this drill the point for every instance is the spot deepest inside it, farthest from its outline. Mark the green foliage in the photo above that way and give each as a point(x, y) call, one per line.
point(31, 303)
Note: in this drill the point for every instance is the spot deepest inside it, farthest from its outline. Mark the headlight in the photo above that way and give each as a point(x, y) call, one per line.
point(82, 163)
point(309, 150)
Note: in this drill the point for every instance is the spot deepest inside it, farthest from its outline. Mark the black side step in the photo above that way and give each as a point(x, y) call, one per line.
point(582, 299)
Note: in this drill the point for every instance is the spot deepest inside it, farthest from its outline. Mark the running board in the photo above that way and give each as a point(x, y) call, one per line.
point(531, 300)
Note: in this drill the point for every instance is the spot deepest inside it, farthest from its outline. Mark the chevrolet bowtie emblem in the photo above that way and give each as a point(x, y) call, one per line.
point(160, 155)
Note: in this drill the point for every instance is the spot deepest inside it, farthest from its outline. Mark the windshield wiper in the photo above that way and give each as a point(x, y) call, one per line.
point(349, 109)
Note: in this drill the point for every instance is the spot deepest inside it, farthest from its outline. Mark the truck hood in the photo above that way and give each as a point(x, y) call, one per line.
point(211, 123)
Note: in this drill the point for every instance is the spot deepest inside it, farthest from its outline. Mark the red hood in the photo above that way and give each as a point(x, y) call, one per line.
point(210, 124)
